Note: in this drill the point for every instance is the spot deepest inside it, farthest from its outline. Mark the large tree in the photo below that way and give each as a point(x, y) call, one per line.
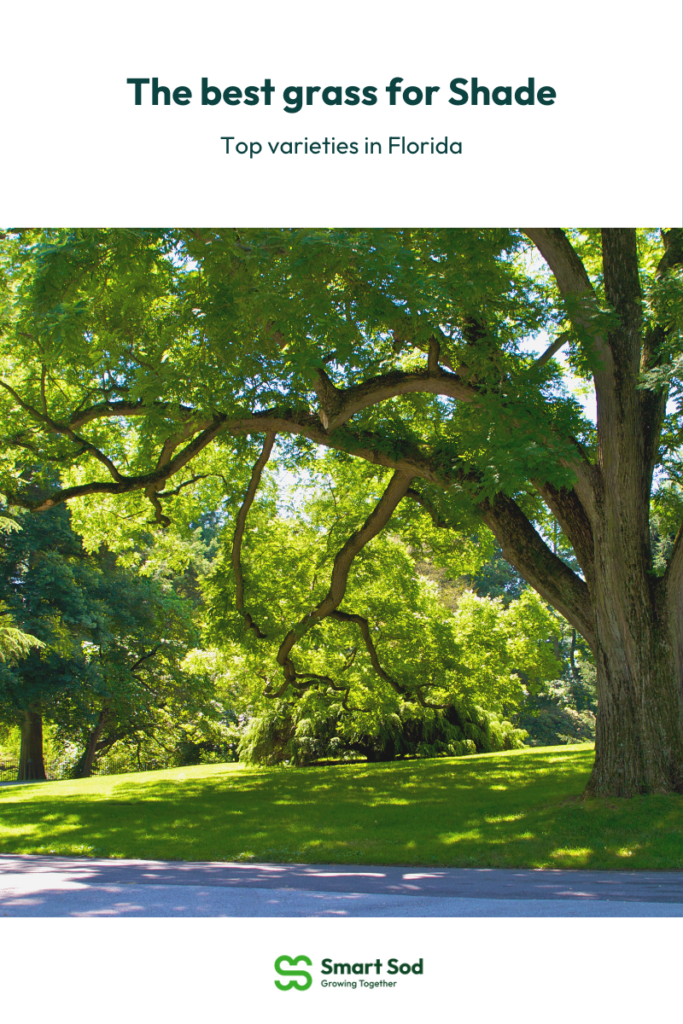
point(151, 365)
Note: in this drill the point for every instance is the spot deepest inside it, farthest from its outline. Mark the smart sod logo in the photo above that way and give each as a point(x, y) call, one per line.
point(361, 975)
point(306, 979)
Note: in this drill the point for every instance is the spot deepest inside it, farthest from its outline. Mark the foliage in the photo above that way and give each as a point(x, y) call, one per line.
point(13, 643)
point(111, 642)
point(443, 661)
point(551, 717)
point(308, 732)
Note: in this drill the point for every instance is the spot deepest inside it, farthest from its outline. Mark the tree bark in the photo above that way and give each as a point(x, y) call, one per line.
point(31, 764)
point(639, 727)
point(85, 761)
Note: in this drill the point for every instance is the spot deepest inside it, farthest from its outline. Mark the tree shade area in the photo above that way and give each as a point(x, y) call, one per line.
point(518, 809)
point(367, 423)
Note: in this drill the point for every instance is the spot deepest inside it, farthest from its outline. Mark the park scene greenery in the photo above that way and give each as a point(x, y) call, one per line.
point(313, 500)
point(520, 808)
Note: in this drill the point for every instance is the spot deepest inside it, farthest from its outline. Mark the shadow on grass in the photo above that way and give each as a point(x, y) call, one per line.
point(519, 809)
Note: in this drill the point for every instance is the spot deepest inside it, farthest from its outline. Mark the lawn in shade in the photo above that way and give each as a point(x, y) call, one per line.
point(513, 810)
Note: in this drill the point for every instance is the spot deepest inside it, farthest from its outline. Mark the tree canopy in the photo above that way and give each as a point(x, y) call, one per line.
point(162, 370)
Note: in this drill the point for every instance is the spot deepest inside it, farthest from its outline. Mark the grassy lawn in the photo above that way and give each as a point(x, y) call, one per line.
point(518, 809)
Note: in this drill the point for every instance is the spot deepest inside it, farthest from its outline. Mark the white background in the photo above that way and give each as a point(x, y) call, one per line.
point(77, 151)
point(219, 971)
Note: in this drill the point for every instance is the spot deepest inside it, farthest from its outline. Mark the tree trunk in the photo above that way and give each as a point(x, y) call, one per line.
point(639, 727)
point(635, 628)
point(639, 737)
point(31, 765)
point(85, 762)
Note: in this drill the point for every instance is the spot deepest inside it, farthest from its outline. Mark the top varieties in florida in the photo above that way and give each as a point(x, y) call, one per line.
point(332, 146)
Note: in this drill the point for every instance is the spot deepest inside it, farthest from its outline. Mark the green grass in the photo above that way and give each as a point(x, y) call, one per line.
point(518, 809)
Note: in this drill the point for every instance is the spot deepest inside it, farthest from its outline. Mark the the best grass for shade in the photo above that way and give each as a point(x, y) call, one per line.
point(518, 809)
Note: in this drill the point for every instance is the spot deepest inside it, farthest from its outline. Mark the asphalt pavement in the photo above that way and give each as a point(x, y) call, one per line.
point(35, 886)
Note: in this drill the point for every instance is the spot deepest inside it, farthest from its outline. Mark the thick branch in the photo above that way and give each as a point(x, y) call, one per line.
point(560, 255)
point(408, 457)
point(572, 280)
point(109, 410)
point(526, 550)
point(576, 526)
point(622, 290)
point(653, 401)
point(433, 357)
point(337, 406)
point(239, 532)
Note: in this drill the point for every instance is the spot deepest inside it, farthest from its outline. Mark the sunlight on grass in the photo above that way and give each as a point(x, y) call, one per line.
point(577, 858)
point(503, 817)
point(521, 808)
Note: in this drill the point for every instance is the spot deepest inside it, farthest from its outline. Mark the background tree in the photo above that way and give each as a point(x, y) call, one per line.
point(107, 646)
point(147, 364)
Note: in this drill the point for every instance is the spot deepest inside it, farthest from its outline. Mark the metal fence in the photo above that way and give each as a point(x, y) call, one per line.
point(8, 770)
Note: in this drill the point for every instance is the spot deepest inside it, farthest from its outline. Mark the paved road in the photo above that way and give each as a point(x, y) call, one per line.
point(32, 886)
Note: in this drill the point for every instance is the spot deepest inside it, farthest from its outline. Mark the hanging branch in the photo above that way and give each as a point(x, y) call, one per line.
point(239, 532)
point(374, 524)
point(364, 626)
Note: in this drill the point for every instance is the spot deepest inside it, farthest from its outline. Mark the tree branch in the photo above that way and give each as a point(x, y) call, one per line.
point(554, 347)
point(560, 255)
point(673, 251)
point(526, 550)
point(673, 577)
point(239, 532)
point(433, 357)
point(654, 352)
point(364, 627)
point(126, 485)
point(143, 658)
point(337, 405)
point(567, 508)
point(108, 410)
point(623, 292)
point(572, 280)
point(62, 428)
point(374, 524)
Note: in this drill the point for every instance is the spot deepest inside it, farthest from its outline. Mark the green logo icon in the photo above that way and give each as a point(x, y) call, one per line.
point(302, 985)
